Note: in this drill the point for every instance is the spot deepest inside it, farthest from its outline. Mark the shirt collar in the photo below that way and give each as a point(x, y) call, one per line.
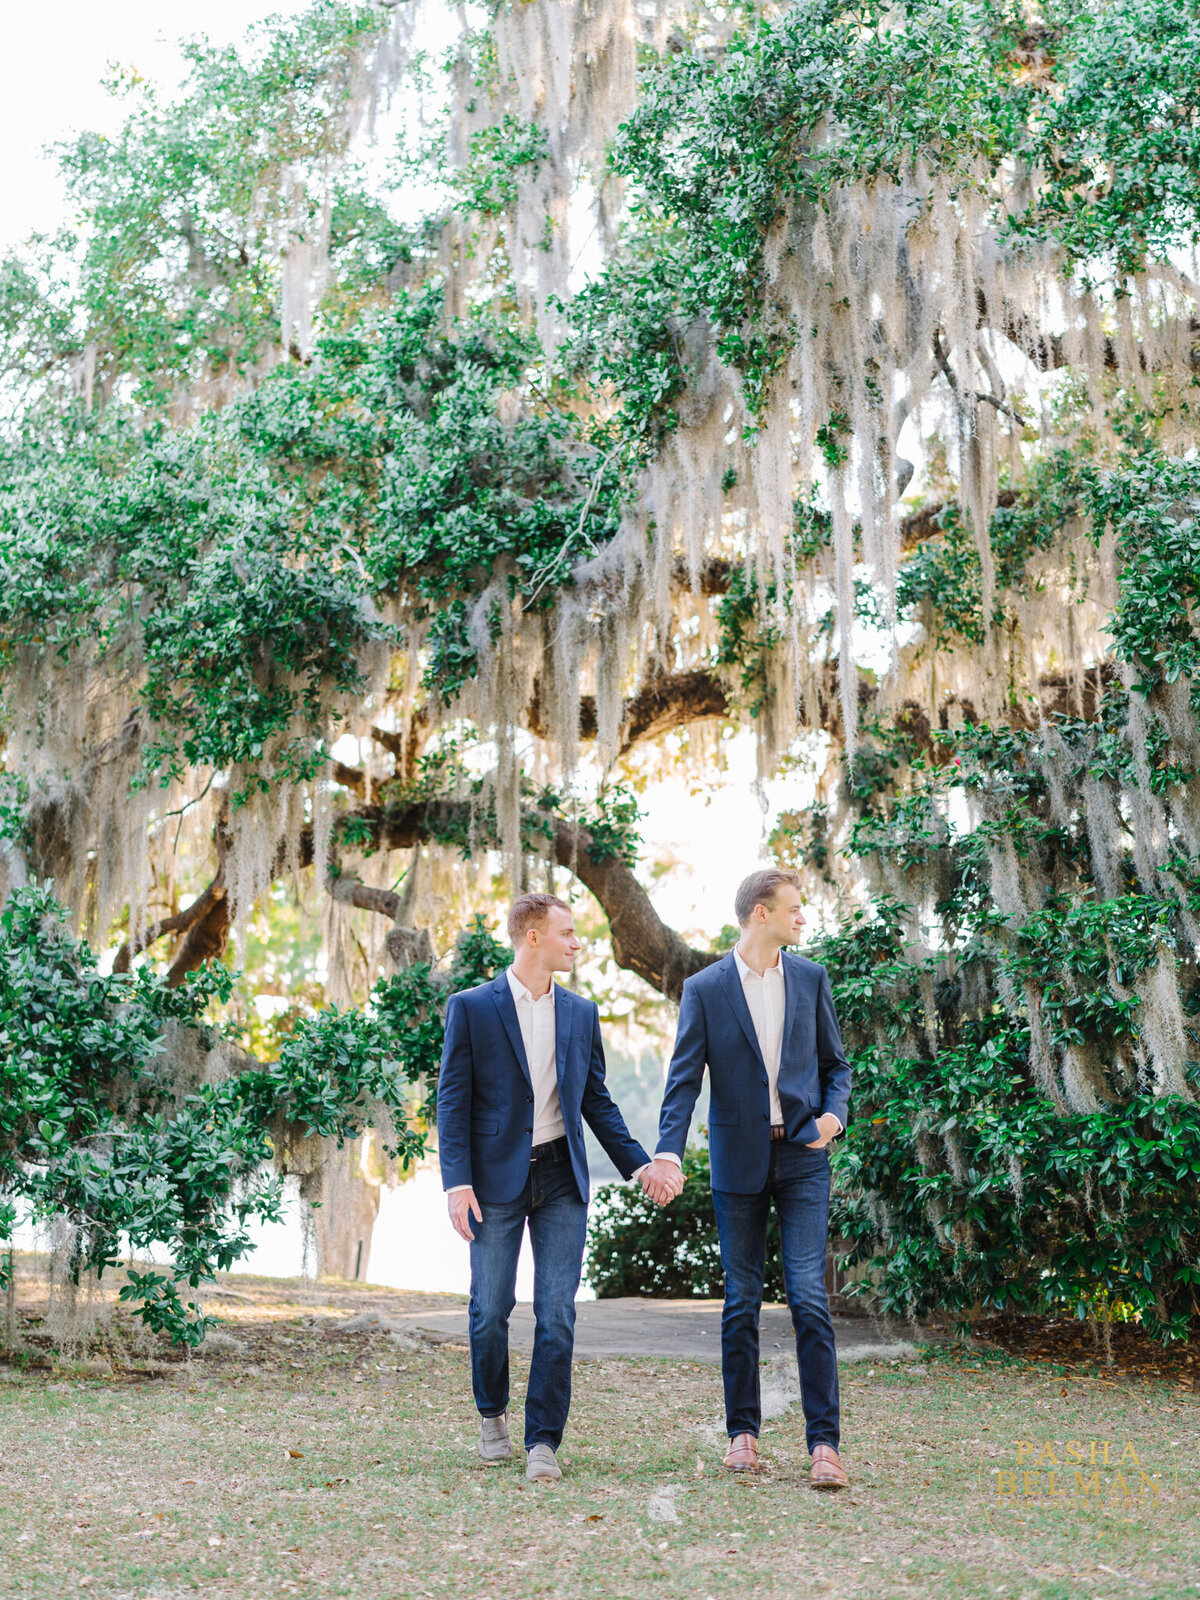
point(744, 971)
point(520, 992)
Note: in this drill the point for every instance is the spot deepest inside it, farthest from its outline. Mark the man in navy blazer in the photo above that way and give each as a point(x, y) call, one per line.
point(522, 1071)
point(762, 1021)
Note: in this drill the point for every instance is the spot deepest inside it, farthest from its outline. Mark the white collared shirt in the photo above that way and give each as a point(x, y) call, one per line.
point(536, 1018)
point(766, 999)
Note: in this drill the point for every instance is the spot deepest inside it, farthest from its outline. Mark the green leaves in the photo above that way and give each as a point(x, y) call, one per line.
point(1153, 504)
point(490, 181)
point(612, 823)
point(235, 573)
point(972, 1175)
point(103, 1123)
point(189, 210)
point(721, 146)
point(1118, 142)
point(1064, 972)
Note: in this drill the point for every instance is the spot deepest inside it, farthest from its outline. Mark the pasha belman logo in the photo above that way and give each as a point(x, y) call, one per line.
point(1073, 1475)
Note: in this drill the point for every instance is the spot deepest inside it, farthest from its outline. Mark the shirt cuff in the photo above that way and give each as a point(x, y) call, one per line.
point(637, 1172)
point(668, 1155)
point(459, 1187)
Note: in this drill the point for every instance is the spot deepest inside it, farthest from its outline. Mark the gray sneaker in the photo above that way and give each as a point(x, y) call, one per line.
point(494, 1444)
point(540, 1465)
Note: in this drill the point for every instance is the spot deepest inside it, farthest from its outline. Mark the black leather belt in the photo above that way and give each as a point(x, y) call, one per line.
point(554, 1151)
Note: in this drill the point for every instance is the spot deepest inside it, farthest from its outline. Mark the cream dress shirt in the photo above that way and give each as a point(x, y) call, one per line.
point(536, 1018)
point(766, 999)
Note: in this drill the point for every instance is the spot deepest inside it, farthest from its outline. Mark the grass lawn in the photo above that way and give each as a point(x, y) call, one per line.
point(302, 1458)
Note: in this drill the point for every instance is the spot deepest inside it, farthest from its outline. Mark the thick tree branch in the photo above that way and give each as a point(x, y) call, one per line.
point(642, 942)
point(352, 778)
point(182, 922)
point(713, 578)
point(1048, 352)
point(349, 891)
point(923, 524)
point(667, 703)
point(205, 941)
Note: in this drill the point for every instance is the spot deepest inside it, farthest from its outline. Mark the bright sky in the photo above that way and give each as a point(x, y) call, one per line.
point(54, 66)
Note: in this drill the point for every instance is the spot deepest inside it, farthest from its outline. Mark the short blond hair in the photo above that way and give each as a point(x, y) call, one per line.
point(760, 889)
point(530, 911)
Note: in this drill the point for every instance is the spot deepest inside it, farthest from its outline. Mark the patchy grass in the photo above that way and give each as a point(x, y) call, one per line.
point(302, 1457)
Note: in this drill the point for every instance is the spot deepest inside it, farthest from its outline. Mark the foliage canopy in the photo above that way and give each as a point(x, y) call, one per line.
point(394, 546)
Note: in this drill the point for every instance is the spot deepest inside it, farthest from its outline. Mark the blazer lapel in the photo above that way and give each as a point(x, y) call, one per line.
point(737, 999)
point(791, 999)
point(564, 1022)
point(506, 1006)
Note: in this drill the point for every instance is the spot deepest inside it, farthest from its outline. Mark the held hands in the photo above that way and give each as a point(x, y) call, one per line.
point(828, 1127)
point(662, 1181)
point(462, 1206)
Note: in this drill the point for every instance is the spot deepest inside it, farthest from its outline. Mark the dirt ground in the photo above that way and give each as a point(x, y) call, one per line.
point(319, 1446)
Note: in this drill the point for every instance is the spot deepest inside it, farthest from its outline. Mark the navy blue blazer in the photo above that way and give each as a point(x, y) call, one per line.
point(716, 1029)
point(485, 1093)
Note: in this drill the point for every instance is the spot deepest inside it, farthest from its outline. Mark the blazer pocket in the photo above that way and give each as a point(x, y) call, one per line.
point(484, 1126)
point(723, 1119)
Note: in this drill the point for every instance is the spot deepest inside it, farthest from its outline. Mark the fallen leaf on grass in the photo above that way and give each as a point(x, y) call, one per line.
point(296, 1455)
point(596, 1516)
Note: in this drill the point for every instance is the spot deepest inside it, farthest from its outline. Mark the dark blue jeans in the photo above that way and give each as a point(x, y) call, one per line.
point(557, 1220)
point(798, 1183)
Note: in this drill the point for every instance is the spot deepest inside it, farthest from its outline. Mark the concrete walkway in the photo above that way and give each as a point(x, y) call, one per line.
point(683, 1330)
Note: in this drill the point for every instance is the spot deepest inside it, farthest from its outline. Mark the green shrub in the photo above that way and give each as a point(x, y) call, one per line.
point(637, 1247)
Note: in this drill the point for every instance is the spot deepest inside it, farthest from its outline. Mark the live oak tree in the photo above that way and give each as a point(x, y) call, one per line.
point(737, 346)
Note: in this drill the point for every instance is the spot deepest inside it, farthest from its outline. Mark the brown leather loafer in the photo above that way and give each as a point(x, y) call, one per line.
point(742, 1455)
point(827, 1470)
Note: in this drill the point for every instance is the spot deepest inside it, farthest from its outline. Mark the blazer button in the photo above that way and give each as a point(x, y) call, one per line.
point(766, 1085)
point(766, 1118)
point(528, 1130)
point(529, 1099)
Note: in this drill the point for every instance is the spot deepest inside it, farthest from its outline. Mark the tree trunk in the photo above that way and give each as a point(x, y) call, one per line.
point(344, 1220)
